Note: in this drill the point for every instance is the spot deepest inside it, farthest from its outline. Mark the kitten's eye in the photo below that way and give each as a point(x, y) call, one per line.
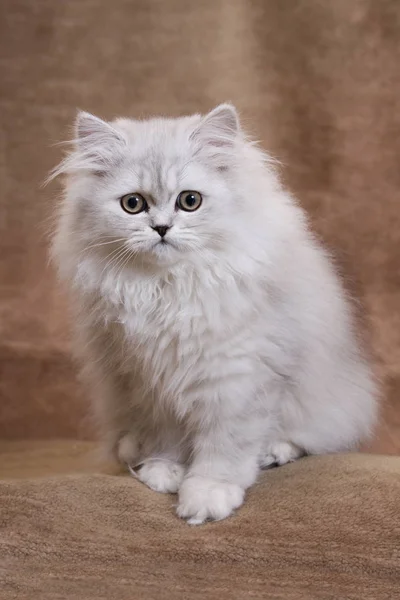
point(133, 203)
point(189, 201)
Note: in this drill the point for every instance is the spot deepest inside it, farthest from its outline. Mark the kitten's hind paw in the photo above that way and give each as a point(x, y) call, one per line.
point(128, 449)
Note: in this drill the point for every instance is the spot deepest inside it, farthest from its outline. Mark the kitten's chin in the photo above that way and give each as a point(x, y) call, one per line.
point(165, 253)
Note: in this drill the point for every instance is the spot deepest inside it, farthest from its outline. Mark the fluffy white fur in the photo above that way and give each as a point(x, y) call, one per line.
point(228, 348)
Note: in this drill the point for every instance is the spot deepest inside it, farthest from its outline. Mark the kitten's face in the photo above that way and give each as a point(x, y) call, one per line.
point(185, 202)
point(159, 190)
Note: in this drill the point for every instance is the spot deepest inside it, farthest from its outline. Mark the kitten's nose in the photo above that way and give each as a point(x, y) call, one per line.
point(161, 229)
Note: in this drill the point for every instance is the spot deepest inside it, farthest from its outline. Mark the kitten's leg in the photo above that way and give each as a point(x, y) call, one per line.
point(154, 458)
point(225, 464)
point(151, 462)
point(280, 453)
point(163, 457)
point(155, 462)
point(125, 420)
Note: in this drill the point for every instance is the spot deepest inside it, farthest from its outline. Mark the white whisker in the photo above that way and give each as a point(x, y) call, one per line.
point(112, 241)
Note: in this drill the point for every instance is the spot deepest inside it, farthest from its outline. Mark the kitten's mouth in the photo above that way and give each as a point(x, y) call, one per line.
point(164, 242)
point(164, 247)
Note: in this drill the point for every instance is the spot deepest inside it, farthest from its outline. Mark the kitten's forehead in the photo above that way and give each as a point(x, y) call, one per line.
point(157, 174)
point(158, 151)
point(157, 136)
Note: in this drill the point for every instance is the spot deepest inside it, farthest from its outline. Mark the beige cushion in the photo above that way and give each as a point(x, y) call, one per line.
point(324, 527)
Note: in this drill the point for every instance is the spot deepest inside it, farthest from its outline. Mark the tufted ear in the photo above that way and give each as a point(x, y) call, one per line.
point(96, 139)
point(219, 127)
point(97, 145)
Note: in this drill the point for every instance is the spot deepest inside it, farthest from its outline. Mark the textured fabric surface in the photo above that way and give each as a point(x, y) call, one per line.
point(322, 528)
point(316, 81)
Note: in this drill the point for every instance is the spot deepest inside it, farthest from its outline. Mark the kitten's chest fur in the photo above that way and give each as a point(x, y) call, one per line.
point(177, 333)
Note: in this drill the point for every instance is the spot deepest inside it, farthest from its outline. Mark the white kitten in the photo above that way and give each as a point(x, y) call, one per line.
point(214, 330)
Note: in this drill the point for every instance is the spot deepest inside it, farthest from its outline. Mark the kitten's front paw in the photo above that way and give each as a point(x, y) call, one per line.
point(280, 453)
point(161, 475)
point(202, 499)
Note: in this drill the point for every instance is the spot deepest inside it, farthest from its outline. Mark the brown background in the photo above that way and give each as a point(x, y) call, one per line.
point(316, 81)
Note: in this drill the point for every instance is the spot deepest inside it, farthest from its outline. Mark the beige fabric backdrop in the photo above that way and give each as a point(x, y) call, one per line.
point(316, 81)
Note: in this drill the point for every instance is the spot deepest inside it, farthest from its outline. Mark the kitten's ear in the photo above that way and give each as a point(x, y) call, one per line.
point(89, 128)
point(97, 140)
point(97, 146)
point(219, 127)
